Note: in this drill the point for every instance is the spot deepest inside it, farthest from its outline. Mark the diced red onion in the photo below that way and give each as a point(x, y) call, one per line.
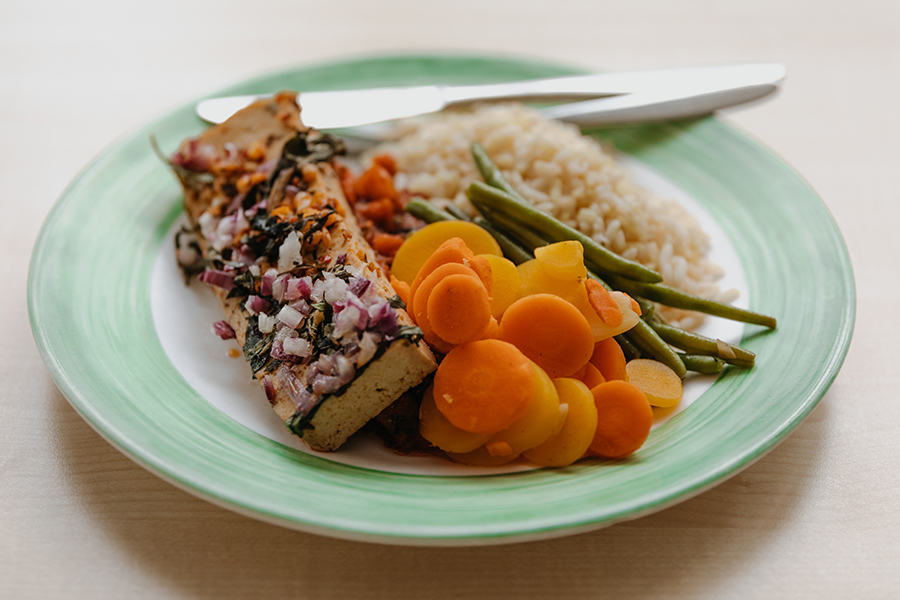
point(196, 156)
point(290, 316)
point(297, 346)
point(256, 305)
point(301, 307)
point(383, 319)
point(368, 346)
point(303, 400)
point(334, 290)
point(330, 373)
point(223, 330)
point(341, 260)
point(268, 166)
point(289, 254)
point(269, 388)
point(297, 288)
point(265, 283)
point(278, 287)
point(278, 353)
point(358, 286)
point(266, 323)
point(219, 279)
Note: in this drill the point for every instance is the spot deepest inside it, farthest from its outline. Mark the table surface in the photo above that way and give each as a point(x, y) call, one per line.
point(819, 516)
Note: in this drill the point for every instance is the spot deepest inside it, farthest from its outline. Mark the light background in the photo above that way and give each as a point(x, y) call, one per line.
point(816, 518)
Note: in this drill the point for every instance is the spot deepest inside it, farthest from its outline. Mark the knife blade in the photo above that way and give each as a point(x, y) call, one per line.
point(671, 93)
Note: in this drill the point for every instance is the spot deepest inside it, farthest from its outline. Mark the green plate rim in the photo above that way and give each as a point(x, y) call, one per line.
point(67, 315)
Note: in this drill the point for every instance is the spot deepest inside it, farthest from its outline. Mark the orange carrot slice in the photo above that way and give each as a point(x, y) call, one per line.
point(609, 358)
point(418, 294)
point(624, 417)
point(549, 331)
point(484, 386)
point(603, 303)
point(459, 308)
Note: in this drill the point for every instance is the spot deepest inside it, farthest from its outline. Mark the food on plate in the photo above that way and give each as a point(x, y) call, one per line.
point(499, 271)
point(317, 318)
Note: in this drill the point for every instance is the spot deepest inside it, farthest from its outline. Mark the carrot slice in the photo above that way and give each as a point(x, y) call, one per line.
point(603, 303)
point(589, 375)
point(418, 294)
point(504, 283)
point(609, 358)
point(435, 428)
point(459, 308)
point(660, 384)
point(484, 386)
point(549, 331)
point(421, 244)
point(577, 431)
point(624, 417)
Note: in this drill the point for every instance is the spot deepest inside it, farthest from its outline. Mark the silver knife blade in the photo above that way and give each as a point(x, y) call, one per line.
point(350, 108)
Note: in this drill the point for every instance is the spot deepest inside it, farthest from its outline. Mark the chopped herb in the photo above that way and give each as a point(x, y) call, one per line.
point(258, 345)
point(396, 303)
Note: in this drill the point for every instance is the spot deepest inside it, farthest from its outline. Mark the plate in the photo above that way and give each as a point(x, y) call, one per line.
point(90, 308)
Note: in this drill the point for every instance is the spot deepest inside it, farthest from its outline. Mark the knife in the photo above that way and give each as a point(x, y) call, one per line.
point(598, 99)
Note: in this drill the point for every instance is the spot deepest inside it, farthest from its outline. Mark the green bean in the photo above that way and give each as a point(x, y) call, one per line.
point(678, 299)
point(648, 309)
point(553, 230)
point(649, 342)
point(526, 237)
point(427, 211)
point(511, 249)
point(628, 348)
point(700, 363)
point(692, 342)
point(457, 212)
point(492, 175)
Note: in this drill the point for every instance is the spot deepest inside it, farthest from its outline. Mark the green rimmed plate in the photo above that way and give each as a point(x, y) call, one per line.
point(91, 312)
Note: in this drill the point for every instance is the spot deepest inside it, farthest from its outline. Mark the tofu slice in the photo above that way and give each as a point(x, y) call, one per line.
point(250, 159)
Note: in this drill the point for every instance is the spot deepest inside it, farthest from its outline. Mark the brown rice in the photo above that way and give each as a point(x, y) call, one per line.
point(568, 175)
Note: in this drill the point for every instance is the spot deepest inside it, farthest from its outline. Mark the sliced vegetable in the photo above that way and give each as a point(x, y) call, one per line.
point(422, 244)
point(577, 432)
point(609, 358)
point(484, 386)
point(540, 420)
point(624, 417)
point(563, 260)
point(505, 283)
point(549, 331)
point(459, 308)
point(589, 375)
point(435, 428)
point(658, 382)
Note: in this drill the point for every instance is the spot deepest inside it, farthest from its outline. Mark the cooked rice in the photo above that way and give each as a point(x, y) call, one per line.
point(567, 175)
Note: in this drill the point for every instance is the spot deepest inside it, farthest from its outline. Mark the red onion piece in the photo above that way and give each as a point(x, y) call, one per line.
point(257, 305)
point(223, 330)
point(219, 279)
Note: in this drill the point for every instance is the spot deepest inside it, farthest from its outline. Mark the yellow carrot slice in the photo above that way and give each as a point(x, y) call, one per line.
point(660, 384)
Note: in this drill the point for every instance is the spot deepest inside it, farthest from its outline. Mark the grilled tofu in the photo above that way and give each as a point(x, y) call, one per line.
point(320, 325)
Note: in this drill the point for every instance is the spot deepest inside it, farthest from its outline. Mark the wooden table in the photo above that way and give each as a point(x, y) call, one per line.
point(818, 517)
